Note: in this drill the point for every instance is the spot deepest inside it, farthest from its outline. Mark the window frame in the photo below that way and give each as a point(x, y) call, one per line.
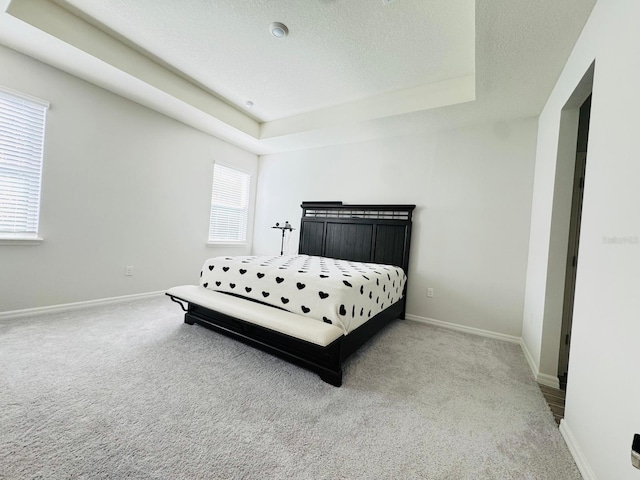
point(231, 243)
point(25, 237)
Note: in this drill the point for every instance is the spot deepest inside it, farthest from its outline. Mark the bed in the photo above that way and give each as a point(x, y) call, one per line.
point(362, 249)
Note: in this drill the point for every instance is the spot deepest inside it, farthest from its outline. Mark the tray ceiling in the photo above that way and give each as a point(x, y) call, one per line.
point(347, 70)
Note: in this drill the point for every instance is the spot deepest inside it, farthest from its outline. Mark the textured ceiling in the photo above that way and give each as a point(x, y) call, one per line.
point(350, 70)
point(337, 51)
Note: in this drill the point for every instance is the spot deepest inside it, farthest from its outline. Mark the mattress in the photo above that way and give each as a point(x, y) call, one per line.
point(337, 292)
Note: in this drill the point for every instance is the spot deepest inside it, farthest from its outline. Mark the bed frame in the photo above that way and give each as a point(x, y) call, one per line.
point(362, 233)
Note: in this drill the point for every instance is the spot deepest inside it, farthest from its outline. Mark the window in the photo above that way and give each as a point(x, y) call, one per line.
point(22, 122)
point(229, 205)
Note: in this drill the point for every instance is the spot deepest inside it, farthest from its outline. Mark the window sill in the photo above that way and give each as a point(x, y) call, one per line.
point(20, 240)
point(226, 244)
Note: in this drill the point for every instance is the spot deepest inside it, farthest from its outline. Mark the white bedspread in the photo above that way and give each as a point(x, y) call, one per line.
point(338, 292)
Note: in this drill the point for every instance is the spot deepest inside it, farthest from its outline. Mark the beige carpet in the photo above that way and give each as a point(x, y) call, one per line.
point(128, 391)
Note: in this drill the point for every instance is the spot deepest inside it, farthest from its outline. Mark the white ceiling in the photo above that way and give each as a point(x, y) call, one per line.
point(349, 70)
point(336, 52)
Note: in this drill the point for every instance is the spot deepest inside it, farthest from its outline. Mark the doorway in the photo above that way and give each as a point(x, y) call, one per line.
point(574, 241)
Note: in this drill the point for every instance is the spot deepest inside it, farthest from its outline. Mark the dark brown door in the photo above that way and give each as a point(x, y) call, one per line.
point(574, 240)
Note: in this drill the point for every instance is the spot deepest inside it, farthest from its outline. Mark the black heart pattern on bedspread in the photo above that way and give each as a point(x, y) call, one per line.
point(339, 292)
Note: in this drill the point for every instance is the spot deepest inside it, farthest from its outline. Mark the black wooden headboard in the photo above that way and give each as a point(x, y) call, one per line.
point(360, 233)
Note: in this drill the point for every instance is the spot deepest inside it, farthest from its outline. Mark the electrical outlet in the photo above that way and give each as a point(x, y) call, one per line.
point(430, 292)
point(128, 270)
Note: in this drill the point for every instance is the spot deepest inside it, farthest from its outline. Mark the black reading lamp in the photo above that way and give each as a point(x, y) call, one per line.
point(286, 226)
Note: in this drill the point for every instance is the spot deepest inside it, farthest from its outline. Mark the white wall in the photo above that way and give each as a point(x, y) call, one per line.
point(472, 188)
point(603, 391)
point(122, 185)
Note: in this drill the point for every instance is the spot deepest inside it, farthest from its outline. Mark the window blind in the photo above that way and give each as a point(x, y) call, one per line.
point(229, 205)
point(22, 124)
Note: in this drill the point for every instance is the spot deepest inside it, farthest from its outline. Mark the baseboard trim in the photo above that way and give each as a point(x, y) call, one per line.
point(27, 312)
point(530, 361)
point(464, 328)
point(548, 380)
point(576, 452)
point(541, 378)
